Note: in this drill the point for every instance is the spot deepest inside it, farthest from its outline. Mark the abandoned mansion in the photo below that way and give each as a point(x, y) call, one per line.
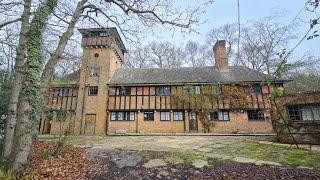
point(104, 97)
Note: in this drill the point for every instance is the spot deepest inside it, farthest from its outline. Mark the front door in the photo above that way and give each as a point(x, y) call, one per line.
point(193, 122)
point(90, 124)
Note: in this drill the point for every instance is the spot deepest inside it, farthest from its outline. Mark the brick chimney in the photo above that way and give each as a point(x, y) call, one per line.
point(220, 54)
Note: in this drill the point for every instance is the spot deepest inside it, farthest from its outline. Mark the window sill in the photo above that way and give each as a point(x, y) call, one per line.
point(220, 120)
point(256, 119)
point(121, 120)
point(306, 122)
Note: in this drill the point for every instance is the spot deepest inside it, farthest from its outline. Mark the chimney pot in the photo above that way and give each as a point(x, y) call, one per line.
point(220, 54)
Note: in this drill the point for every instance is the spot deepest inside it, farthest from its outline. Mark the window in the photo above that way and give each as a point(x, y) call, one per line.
point(197, 89)
point(103, 34)
point(216, 89)
point(165, 116)
point(95, 71)
point(122, 116)
point(192, 89)
point(93, 90)
point(256, 89)
point(165, 90)
point(178, 116)
point(63, 92)
point(309, 112)
point(96, 55)
point(148, 116)
point(123, 91)
point(221, 115)
point(192, 115)
point(255, 115)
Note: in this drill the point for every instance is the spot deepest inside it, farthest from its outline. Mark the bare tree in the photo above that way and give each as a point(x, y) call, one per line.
point(156, 54)
point(16, 86)
point(196, 54)
point(165, 55)
point(226, 32)
point(262, 40)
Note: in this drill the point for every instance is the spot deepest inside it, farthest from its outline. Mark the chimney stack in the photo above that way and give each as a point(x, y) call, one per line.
point(220, 54)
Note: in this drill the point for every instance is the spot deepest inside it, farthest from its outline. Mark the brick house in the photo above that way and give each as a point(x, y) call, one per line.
point(103, 97)
point(300, 117)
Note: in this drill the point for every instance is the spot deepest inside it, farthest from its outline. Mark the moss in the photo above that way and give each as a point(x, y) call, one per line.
point(189, 158)
point(275, 153)
point(302, 157)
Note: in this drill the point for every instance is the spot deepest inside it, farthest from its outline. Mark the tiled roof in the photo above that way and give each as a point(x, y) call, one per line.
point(208, 74)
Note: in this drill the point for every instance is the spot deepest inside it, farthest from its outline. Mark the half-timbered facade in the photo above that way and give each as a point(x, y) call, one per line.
point(102, 97)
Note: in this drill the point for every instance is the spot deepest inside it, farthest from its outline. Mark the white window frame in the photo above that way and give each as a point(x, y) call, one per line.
point(197, 89)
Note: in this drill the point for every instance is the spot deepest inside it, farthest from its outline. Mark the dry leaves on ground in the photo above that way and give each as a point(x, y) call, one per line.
point(70, 164)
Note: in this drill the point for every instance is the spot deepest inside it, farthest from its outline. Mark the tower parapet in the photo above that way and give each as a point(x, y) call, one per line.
point(103, 38)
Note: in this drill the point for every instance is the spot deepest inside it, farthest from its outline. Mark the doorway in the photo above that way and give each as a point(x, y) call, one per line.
point(90, 124)
point(193, 122)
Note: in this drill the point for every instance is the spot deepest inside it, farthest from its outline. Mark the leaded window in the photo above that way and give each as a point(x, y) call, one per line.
point(123, 91)
point(63, 92)
point(309, 112)
point(256, 89)
point(122, 116)
point(178, 116)
point(255, 115)
point(163, 90)
point(221, 115)
point(93, 90)
point(216, 89)
point(192, 116)
point(165, 116)
point(148, 116)
point(95, 71)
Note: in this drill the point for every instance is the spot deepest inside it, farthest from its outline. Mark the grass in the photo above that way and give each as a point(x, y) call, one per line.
point(189, 158)
point(275, 153)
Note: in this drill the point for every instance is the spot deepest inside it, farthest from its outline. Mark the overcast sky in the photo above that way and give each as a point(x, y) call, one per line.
point(225, 11)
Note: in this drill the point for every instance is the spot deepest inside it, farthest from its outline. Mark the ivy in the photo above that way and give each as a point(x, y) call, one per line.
point(206, 101)
point(35, 56)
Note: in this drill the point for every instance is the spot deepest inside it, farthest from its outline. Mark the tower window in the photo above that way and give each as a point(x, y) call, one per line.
point(93, 90)
point(95, 71)
point(96, 55)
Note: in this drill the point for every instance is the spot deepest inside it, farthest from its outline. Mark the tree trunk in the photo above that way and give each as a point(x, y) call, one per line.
point(48, 70)
point(18, 69)
point(30, 94)
point(49, 67)
point(23, 141)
